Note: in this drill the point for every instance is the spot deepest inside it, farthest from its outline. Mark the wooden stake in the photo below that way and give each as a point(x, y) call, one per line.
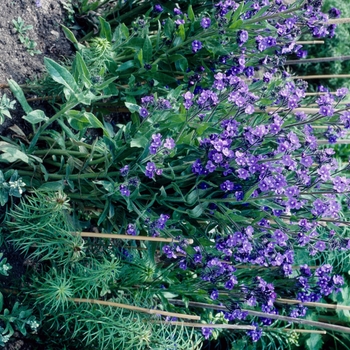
point(136, 308)
point(135, 238)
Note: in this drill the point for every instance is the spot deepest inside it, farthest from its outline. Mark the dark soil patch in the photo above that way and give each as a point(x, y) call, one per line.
point(16, 62)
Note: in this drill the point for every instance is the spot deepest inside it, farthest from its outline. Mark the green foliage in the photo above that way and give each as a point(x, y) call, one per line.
point(21, 29)
point(11, 185)
point(4, 266)
point(42, 221)
point(5, 105)
point(314, 342)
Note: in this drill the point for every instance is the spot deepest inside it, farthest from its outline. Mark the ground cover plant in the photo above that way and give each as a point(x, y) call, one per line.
point(209, 212)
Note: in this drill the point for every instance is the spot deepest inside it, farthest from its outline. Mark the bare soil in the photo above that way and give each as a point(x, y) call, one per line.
point(15, 61)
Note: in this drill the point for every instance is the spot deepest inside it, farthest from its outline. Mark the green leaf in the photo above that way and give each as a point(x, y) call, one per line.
point(11, 153)
point(182, 32)
point(132, 107)
point(147, 50)
point(80, 71)
point(80, 120)
point(52, 186)
point(1, 301)
point(125, 66)
point(61, 75)
point(105, 29)
point(169, 28)
point(139, 142)
point(18, 92)
point(197, 210)
point(71, 37)
point(35, 117)
point(314, 342)
point(236, 25)
point(140, 57)
point(180, 62)
point(190, 13)
point(249, 192)
point(236, 15)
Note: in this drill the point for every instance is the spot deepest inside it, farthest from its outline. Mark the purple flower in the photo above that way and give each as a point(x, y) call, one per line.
point(158, 8)
point(188, 96)
point(179, 22)
point(183, 264)
point(207, 332)
point(242, 37)
point(131, 230)
point(342, 92)
point(144, 112)
point(320, 245)
point(214, 294)
point(177, 11)
point(334, 12)
point(196, 46)
point(255, 334)
point(150, 170)
point(326, 111)
point(124, 191)
point(205, 22)
point(124, 170)
point(169, 143)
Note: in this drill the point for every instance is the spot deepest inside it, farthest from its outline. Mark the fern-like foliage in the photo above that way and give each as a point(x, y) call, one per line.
point(40, 226)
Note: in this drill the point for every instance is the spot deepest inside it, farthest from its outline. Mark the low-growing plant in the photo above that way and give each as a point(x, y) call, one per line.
point(5, 106)
point(21, 29)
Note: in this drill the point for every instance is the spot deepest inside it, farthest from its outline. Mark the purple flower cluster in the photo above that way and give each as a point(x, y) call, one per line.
point(196, 46)
point(148, 102)
point(152, 170)
point(205, 22)
point(311, 287)
point(174, 250)
point(157, 143)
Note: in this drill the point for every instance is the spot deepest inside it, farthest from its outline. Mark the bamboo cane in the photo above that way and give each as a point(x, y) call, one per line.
point(296, 330)
point(318, 93)
point(317, 60)
point(209, 325)
point(310, 42)
point(339, 142)
point(299, 109)
point(271, 316)
point(326, 76)
point(135, 308)
point(338, 20)
point(313, 304)
point(136, 238)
